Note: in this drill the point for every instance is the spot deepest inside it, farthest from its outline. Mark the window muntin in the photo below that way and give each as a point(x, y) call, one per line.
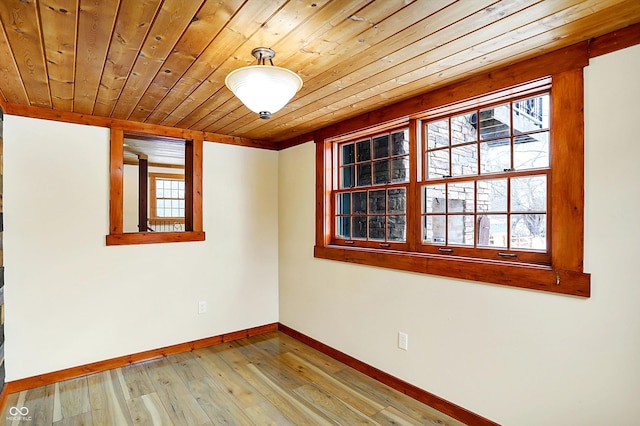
point(372, 185)
point(169, 197)
point(485, 180)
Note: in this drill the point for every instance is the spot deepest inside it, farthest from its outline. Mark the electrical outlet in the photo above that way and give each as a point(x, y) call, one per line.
point(403, 341)
point(202, 307)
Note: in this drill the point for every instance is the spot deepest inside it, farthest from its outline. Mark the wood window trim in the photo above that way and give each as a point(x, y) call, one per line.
point(193, 194)
point(565, 274)
point(152, 194)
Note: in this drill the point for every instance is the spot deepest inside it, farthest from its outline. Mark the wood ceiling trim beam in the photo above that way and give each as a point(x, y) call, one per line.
point(626, 37)
point(132, 126)
point(572, 57)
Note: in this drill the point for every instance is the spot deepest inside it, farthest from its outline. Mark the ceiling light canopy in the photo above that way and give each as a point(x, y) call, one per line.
point(264, 89)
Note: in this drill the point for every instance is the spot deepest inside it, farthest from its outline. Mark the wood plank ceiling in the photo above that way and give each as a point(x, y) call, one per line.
point(164, 61)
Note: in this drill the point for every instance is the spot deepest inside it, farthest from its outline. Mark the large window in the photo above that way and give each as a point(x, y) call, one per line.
point(484, 188)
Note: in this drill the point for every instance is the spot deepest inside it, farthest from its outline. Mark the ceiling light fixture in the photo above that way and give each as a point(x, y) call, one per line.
point(264, 89)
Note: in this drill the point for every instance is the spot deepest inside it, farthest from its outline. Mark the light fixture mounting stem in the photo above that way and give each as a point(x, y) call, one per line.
point(263, 54)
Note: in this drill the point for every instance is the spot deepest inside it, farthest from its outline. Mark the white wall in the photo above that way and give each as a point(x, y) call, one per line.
point(71, 300)
point(516, 356)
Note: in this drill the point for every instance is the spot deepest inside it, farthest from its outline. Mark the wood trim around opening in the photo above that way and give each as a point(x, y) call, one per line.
point(193, 189)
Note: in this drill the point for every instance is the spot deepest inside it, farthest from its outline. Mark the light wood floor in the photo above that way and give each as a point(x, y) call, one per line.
point(269, 379)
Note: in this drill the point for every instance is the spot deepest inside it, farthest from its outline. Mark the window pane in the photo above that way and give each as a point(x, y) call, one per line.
point(159, 191)
point(400, 169)
point(531, 151)
point(492, 230)
point(381, 146)
point(397, 228)
point(494, 122)
point(174, 193)
point(363, 150)
point(348, 154)
point(364, 174)
point(174, 184)
point(438, 134)
point(461, 197)
point(400, 143)
point(492, 195)
point(181, 193)
point(343, 226)
point(348, 177)
point(344, 203)
point(531, 114)
point(529, 194)
point(381, 172)
point(397, 200)
point(377, 202)
point(438, 164)
point(181, 204)
point(181, 185)
point(464, 160)
point(433, 229)
point(433, 199)
point(528, 231)
point(495, 156)
point(462, 129)
point(359, 229)
point(461, 230)
point(359, 200)
point(376, 227)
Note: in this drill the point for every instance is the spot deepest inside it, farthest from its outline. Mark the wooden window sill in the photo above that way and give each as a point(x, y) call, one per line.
point(514, 274)
point(153, 238)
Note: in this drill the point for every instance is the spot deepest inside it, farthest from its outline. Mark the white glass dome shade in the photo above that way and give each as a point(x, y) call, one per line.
point(264, 89)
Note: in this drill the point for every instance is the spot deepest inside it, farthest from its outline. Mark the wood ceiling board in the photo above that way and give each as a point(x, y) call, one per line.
point(22, 26)
point(363, 67)
point(132, 25)
point(172, 20)
point(95, 27)
point(158, 150)
point(282, 22)
point(425, 78)
point(207, 23)
point(354, 56)
point(11, 86)
point(198, 84)
point(409, 16)
point(59, 19)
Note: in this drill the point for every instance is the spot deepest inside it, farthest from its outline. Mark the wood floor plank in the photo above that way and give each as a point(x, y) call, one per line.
point(83, 419)
point(298, 411)
point(39, 401)
point(341, 389)
point(108, 404)
point(270, 379)
point(391, 397)
point(181, 406)
point(317, 358)
point(148, 410)
point(332, 407)
point(227, 379)
point(137, 380)
point(73, 397)
point(218, 405)
point(268, 415)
